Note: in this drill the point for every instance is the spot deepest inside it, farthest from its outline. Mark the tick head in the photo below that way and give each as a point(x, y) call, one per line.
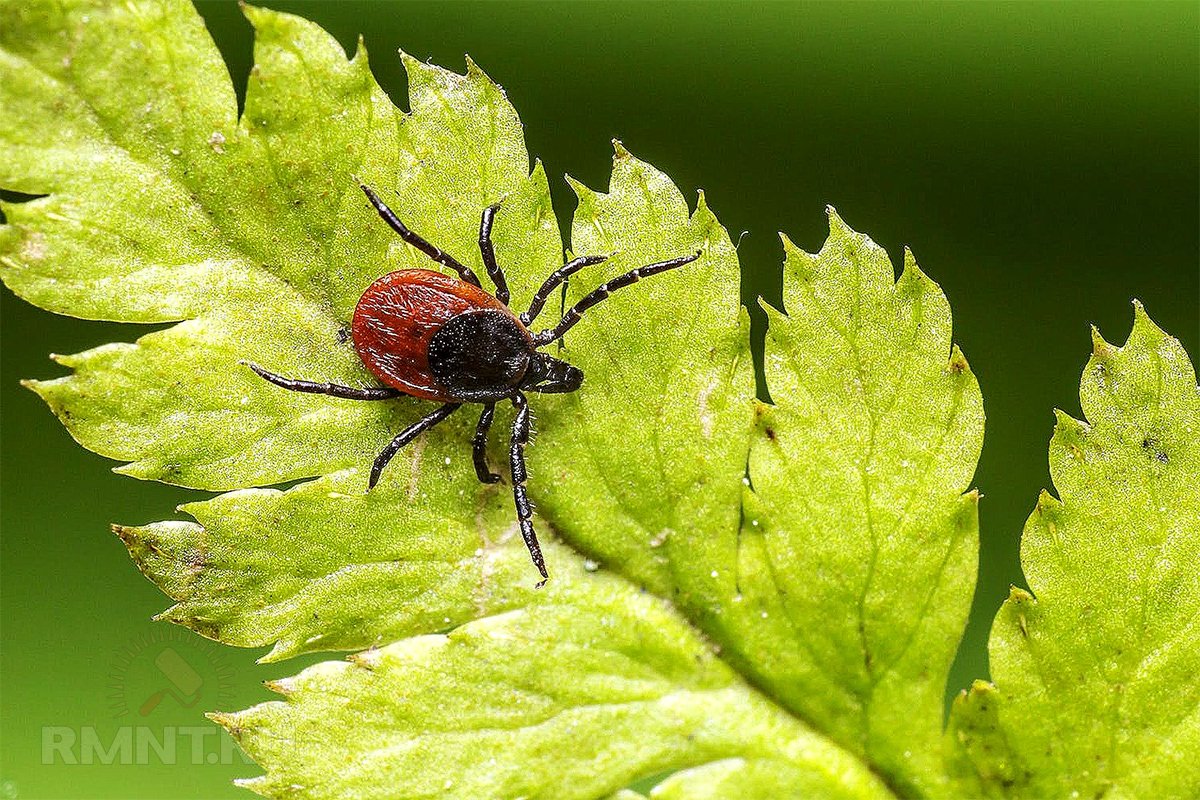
point(550, 375)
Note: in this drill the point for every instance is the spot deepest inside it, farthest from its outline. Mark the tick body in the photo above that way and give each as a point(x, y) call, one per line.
point(443, 339)
point(439, 338)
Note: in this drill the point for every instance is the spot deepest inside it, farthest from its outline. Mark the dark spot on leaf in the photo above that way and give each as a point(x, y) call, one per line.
point(206, 628)
point(196, 559)
point(1150, 444)
point(770, 433)
point(958, 362)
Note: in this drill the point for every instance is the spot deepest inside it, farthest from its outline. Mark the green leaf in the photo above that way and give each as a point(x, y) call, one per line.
point(857, 517)
point(747, 600)
point(591, 686)
point(254, 230)
point(1096, 690)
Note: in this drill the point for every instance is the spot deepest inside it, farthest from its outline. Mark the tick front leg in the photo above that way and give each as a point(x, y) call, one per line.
point(555, 280)
point(489, 253)
point(435, 253)
point(516, 459)
point(407, 435)
point(601, 294)
point(331, 389)
point(479, 445)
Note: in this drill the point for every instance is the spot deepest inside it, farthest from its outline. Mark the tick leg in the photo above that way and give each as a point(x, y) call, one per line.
point(438, 255)
point(554, 281)
point(479, 445)
point(598, 295)
point(489, 253)
point(516, 460)
point(332, 389)
point(407, 435)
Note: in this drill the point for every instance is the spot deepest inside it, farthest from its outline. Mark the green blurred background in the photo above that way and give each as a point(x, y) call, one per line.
point(1041, 160)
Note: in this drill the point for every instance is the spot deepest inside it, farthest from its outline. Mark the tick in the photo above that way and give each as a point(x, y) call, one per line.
point(433, 337)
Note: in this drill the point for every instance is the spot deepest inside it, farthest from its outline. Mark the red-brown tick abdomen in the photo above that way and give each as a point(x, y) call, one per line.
point(398, 315)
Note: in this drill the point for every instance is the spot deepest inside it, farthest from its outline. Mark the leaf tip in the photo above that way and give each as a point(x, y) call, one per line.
point(970, 697)
point(410, 62)
point(257, 16)
point(259, 785)
point(1068, 428)
point(366, 659)
point(1100, 347)
point(836, 223)
point(582, 192)
point(174, 615)
point(797, 258)
point(911, 272)
point(283, 649)
point(619, 151)
point(1145, 328)
point(957, 363)
point(230, 721)
point(1018, 596)
point(126, 534)
point(1047, 500)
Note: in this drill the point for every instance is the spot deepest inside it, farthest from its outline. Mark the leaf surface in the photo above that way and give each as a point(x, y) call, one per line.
point(279, 238)
point(1096, 690)
point(858, 550)
point(589, 687)
point(747, 600)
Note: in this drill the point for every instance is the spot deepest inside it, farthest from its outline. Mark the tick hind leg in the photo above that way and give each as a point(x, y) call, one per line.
point(516, 456)
point(479, 445)
point(405, 436)
point(331, 389)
